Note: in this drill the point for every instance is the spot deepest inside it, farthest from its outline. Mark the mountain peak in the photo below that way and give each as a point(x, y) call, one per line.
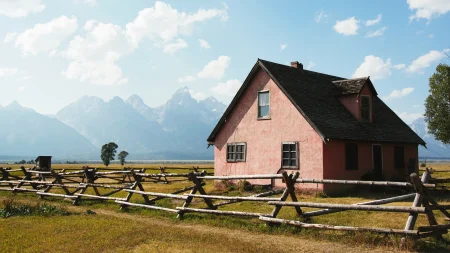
point(14, 105)
point(134, 99)
point(183, 89)
point(116, 100)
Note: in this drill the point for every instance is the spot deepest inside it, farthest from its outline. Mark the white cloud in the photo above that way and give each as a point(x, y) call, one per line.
point(215, 69)
point(375, 67)
point(162, 23)
point(376, 33)
point(186, 79)
point(229, 88)
point(399, 66)
point(283, 47)
point(175, 46)
point(20, 8)
point(197, 95)
point(88, 2)
point(399, 93)
point(426, 60)
point(21, 89)
point(409, 117)
point(322, 17)
point(44, 37)
point(204, 43)
point(347, 27)
point(311, 65)
point(374, 21)
point(94, 55)
point(24, 78)
point(8, 72)
point(428, 9)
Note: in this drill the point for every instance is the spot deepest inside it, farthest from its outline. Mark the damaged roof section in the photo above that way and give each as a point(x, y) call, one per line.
point(353, 86)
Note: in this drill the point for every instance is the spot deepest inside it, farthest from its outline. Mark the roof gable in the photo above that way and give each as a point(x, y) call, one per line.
point(314, 96)
point(354, 86)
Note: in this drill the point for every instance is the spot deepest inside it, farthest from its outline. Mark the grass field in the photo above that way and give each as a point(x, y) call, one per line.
point(139, 230)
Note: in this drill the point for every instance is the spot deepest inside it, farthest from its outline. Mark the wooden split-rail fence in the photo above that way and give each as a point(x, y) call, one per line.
point(131, 181)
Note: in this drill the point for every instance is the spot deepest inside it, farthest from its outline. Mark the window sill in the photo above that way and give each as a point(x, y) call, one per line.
point(264, 118)
point(290, 168)
point(235, 161)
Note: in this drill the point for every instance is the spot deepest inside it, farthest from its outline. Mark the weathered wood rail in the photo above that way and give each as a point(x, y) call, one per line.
point(133, 181)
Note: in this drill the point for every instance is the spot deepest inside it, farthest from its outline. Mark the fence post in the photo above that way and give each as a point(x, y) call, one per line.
point(290, 190)
point(418, 200)
point(197, 187)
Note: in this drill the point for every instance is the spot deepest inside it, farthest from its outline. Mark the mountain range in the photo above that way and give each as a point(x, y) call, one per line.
point(435, 148)
point(177, 129)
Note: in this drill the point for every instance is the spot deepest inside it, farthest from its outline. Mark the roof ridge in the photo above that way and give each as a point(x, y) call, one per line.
point(352, 79)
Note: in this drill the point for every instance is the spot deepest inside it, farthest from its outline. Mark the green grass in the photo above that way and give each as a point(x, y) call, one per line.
point(148, 230)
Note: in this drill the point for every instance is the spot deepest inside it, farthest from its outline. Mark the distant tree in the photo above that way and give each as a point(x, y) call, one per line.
point(122, 155)
point(108, 152)
point(437, 104)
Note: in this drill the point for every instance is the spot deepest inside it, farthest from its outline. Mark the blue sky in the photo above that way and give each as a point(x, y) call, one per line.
point(54, 52)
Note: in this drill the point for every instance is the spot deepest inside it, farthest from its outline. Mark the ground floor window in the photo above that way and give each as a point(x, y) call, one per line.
point(236, 152)
point(289, 155)
point(351, 156)
point(399, 157)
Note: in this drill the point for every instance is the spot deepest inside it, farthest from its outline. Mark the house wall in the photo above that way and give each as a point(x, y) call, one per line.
point(264, 137)
point(353, 102)
point(334, 161)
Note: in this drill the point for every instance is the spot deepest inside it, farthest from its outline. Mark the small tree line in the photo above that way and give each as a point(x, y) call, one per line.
point(108, 153)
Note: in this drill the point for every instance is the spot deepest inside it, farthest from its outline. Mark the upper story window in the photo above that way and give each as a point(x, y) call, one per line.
point(365, 108)
point(236, 152)
point(263, 104)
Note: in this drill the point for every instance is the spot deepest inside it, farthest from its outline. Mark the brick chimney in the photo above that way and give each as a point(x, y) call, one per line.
point(297, 65)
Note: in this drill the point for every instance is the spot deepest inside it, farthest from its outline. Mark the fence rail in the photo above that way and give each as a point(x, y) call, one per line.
point(131, 182)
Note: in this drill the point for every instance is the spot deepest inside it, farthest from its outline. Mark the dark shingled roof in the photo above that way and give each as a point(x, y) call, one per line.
point(315, 96)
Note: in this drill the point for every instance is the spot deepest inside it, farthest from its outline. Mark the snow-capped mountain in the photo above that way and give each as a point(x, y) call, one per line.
point(434, 148)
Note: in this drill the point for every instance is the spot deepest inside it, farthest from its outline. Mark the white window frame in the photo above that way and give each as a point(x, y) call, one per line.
point(257, 104)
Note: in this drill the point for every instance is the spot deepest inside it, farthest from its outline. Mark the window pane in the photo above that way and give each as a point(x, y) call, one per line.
point(285, 162)
point(399, 157)
point(293, 162)
point(293, 154)
point(285, 147)
point(263, 98)
point(293, 147)
point(286, 155)
point(263, 111)
point(351, 156)
point(365, 108)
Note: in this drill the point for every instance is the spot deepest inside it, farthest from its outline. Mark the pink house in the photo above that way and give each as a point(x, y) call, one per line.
point(325, 127)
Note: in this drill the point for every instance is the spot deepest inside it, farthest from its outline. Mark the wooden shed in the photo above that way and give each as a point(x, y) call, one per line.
point(44, 162)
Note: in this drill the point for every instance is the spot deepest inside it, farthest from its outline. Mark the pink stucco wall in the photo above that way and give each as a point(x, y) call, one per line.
point(317, 160)
point(334, 161)
point(353, 102)
point(264, 137)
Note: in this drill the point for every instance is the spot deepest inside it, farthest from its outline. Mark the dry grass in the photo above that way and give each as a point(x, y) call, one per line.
point(148, 230)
